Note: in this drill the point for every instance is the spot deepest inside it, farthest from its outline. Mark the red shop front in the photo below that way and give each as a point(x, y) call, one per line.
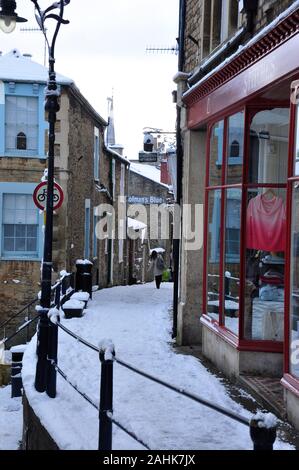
point(250, 314)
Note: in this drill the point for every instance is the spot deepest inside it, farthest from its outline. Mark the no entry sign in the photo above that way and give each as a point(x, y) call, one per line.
point(40, 196)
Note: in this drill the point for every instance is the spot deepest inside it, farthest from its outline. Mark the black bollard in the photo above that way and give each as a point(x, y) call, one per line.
point(52, 355)
point(83, 280)
point(106, 403)
point(87, 283)
point(16, 369)
point(42, 351)
point(262, 437)
point(57, 296)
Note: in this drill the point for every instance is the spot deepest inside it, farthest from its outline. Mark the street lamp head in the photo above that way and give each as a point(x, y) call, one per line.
point(8, 17)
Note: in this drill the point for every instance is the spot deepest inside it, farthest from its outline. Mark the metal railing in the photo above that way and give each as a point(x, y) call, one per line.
point(24, 319)
point(262, 429)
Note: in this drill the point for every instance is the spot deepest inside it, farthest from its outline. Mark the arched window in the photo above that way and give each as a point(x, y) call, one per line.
point(21, 141)
point(234, 149)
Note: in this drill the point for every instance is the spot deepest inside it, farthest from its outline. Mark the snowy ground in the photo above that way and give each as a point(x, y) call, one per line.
point(10, 420)
point(138, 321)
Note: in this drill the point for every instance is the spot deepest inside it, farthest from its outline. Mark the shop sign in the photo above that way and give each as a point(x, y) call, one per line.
point(145, 200)
point(148, 157)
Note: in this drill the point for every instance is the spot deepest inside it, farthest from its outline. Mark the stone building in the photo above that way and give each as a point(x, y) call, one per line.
point(88, 172)
point(237, 160)
point(149, 202)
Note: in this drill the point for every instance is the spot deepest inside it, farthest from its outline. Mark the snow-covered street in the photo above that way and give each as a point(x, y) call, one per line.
point(10, 420)
point(138, 321)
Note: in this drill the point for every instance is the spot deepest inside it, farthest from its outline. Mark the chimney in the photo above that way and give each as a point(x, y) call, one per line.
point(117, 148)
point(165, 177)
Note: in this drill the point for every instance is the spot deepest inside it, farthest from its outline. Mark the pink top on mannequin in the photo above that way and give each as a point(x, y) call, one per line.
point(266, 223)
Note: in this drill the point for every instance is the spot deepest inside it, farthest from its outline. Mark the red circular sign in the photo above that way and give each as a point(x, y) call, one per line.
point(40, 196)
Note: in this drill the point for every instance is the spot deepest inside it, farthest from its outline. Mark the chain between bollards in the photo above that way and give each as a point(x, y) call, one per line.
point(106, 397)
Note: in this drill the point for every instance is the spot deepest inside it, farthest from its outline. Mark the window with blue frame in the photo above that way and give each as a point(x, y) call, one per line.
point(96, 166)
point(21, 123)
point(20, 223)
point(87, 229)
point(22, 120)
point(95, 240)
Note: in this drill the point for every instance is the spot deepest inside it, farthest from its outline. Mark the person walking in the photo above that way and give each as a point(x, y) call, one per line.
point(158, 266)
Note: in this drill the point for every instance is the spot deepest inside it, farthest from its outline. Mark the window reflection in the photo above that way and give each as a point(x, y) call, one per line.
point(268, 158)
point(235, 148)
point(213, 271)
point(232, 258)
point(216, 150)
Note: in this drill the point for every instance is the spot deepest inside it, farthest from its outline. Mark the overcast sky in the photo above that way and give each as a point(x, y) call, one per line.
point(104, 48)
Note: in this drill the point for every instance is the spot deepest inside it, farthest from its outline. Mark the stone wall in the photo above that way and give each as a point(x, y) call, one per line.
point(35, 436)
point(142, 186)
point(267, 11)
point(194, 14)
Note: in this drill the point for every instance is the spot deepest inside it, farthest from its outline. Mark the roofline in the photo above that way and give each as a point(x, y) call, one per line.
point(148, 178)
point(117, 155)
point(76, 93)
point(40, 82)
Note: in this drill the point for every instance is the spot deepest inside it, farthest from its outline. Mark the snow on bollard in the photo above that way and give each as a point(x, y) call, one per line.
point(263, 431)
point(54, 315)
point(106, 352)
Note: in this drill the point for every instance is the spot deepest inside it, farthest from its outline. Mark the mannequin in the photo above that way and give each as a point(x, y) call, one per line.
point(266, 223)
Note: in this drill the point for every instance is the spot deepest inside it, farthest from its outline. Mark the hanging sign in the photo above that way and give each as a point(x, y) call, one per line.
point(40, 196)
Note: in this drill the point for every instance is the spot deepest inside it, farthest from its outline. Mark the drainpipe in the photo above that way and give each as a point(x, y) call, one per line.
point(176, 242)
point(250, 8)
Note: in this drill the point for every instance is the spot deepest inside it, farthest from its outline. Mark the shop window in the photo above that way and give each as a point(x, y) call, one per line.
point(216, 151)
point(232, 258)
point(220, 21)
point(232, 228)
point(19, 226)
point(21, 123)
point(266, 225)
point(265, 264)
point(235, 148)
point(213, 269)
point(268, 160)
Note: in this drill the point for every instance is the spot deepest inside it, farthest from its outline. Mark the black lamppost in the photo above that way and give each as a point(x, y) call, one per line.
point(45, 379)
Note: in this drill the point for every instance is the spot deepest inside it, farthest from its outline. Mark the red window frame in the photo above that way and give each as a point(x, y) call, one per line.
point(290, 381)
point(219, 327)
